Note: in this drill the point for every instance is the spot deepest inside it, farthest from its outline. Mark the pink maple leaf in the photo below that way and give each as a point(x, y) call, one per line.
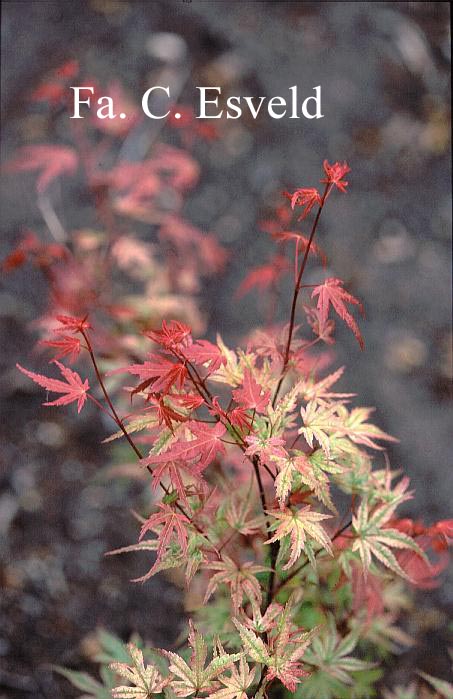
point(331, 292)
point(204, 352)
point(52, 160)
point(251, 395)
point(307, 197)
point(67, 345)
point(159, 373)
point(335, 174)
point(73, 389)
point(166, 523)
point(202, 450)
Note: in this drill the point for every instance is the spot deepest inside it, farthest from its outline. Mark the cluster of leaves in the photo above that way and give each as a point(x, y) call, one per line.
point(267, 498)
point(121, 273)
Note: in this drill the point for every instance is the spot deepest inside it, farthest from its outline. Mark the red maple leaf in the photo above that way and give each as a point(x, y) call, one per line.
point(159, 373)
point(172, 335)
point(442, 534)
point(165, 413)
point(301, 243)
point(264, 276)
point(204, 352)
point(73, 324)
point(331, 292)
point(189, 401)
point(67, 345)
point(52, 160)
point(240, 418)
point(335, 174)
point(173, 470)
point(202, 450)
point(72, 388)
point(251, 395)
point(307, 197)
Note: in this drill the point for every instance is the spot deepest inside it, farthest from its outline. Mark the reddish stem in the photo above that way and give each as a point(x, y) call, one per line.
point(296, 292)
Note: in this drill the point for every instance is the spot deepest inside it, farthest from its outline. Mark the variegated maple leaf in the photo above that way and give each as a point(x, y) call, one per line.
point(318, 391)
point(374, 538)
point(196, 676)
point(320, 421)
point(236, 685)
point(281, 655)
point(262, 622)
point(331, 292)
point(167, 523)
point(300, 469)
point(297, 524)
point(73, 389)
point(355, 426)
point(265, 447)
point(241, 579)
point(144, 680)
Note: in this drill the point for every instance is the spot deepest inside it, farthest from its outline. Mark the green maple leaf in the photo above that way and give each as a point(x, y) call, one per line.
point(330, 655)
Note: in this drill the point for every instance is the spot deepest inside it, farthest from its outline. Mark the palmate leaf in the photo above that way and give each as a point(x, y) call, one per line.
point(197, 676)
point(320, 421)
point(72, 388)
point(331, 292)
point(144, 680)
point(254, 646)
point(201, 450)
point(241, 580)
point(329, 655)
point(297, 524)
point(320, 390)
point(286, 646)
point(375, 539)
point(204, 353)
point(251, 395)
point(300, 470)
point(355, 426)
point(172, 527)
point(236, 685)
point(86, 683)
point(288, 649)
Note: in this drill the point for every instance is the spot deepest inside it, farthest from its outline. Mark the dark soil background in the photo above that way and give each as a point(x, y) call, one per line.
point(385, 76)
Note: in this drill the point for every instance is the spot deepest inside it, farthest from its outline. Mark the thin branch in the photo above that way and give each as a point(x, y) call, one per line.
point(297, 288)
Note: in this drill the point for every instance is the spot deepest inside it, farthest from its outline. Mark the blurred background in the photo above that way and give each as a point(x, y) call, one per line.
point(384, 69)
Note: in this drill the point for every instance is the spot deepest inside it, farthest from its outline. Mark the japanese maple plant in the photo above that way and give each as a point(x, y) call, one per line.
point(265, 494)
